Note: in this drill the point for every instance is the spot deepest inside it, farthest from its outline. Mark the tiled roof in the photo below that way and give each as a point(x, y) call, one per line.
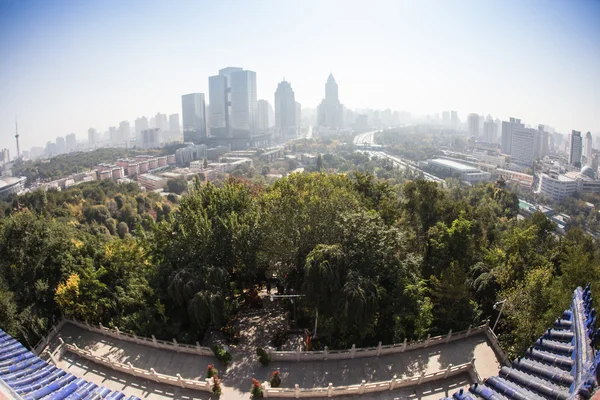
point(560, 365)
point(30, 377)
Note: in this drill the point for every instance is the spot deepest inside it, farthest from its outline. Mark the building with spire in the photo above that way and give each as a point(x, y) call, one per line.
point(330, 112)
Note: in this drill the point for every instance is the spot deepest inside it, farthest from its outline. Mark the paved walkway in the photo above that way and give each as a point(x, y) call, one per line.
point(237, 378)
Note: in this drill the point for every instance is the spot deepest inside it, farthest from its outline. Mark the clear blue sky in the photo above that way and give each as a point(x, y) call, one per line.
point(69, 65)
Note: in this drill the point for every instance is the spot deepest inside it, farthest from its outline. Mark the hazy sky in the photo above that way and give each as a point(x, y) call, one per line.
point(66, 66)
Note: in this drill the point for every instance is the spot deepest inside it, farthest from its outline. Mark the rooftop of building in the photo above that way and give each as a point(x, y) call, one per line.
point(151, 177)
point(7, 181)
point(455, 165)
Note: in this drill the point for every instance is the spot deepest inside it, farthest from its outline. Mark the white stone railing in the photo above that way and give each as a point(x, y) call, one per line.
point(152, 342)
point(380, 350)
point(363, 387)
point(493, 339)
point(41, 345)
point(152, 375)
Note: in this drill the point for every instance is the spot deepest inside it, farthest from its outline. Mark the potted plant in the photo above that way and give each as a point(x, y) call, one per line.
point(275, 379)
point(256, 390)
point(263, 356)
point(211, 371)
point(216, 389)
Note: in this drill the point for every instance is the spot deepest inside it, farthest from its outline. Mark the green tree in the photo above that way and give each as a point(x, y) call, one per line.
point(177, 185)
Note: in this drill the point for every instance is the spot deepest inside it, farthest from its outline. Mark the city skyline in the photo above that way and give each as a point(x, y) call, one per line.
point(543, 70)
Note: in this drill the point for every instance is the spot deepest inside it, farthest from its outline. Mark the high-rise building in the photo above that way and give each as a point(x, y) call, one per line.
point(141, 124)
point(473, 125)
point(4, 156)
point(285, 111)
point(150, 138)
point(522, 149)
point(113, 133)
point(575, 145)
point(454, 121)
point(262, 116)
point(71, 142)
point(298, 115)
point(193, 110)
point(507, 129)
point(540, 143)
point(446, 118)
point(174, 124)
point(161, 122)
point(330, 112)
point(587, 148)
point(125, 131)
point(243, 103)
point(61, 146)
point(490, 130)
point(92, 137)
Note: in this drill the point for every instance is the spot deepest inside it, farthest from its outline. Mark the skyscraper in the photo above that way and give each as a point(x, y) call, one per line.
point(522, 149)
point(161, 122)
point(92, 137)
point(285, 111)
point(193, 109)
point(71, 142)
point(490, 130)
point(587, 147)
point(575, 144)
point(141, 124)
point(330, 112)
point(262, 116)
point(115, 137)
point(243, 103)
point(540, 143)
point(473, 125)
point(124, 130)
point(174, 124)
point(4, 156)
point(507, 129)
point(61, 146)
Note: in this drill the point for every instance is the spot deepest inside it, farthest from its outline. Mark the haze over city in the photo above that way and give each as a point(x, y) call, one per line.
point(67, 66)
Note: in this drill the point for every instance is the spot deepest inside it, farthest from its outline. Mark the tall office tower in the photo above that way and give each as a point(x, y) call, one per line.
point(243, 103)
point(219, 95)
point(4, 156)
point(507, 128)
point(92, 137)
point(71, 142)
point(575, 144)
point(50, 149)
point(61, 146)
point(161, 122)
point(587, 148)
point(262, 116)
point(454, 121)
point(114, 135)
point(473, 125)
point(330, 112)
point(541, 143)
point(151, 138)
point(298, 116)
point(446, 118)
point(141, 124)
point(522, 149)
point(490, 130)
point(174, 128)
point(285, 111)
point(193, 109)
point(125, 131)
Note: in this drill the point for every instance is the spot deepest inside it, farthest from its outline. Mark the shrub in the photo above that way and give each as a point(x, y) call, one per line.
point(256, 389)
point(263, 356)
point(275, 379)
point(279, 338)
point(216, 389)
point(231, 334)
point(221, 354)
point(211, 371)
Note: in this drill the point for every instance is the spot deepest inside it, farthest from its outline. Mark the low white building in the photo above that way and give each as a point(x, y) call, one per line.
point(464, 172)
point(560, 186)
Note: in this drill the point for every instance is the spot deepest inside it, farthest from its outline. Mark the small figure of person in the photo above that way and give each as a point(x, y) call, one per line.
point(268, 287)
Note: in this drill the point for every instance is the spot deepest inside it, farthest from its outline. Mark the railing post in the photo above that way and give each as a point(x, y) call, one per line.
point(117, 331)
point(353, 350)
point(89, 328)
point(154, 341)
point(378, 349)
point(361, 389)
point(100, 325)
point(421, 378)
point(131, 368)
point(60, 339)
point(298, 354)
point(393, 382)
point(325, 353)
point(330, 389)
point(449, 336)
point(175, 344)
point(199, 348)
point(469, 331)
point(207, 383)
point(404, 345)
point(180, 380)
point(448, 371)
point(154, 374)
point(54, 361)
point(296, 391)
point(112, 364)
point(134, 336)
point(428, 338)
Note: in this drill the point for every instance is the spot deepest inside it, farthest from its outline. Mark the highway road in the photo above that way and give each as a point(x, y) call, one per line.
point(398, 162)
point(367, 138)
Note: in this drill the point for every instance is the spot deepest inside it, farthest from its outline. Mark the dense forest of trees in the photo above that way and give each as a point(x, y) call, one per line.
point(380, 259)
